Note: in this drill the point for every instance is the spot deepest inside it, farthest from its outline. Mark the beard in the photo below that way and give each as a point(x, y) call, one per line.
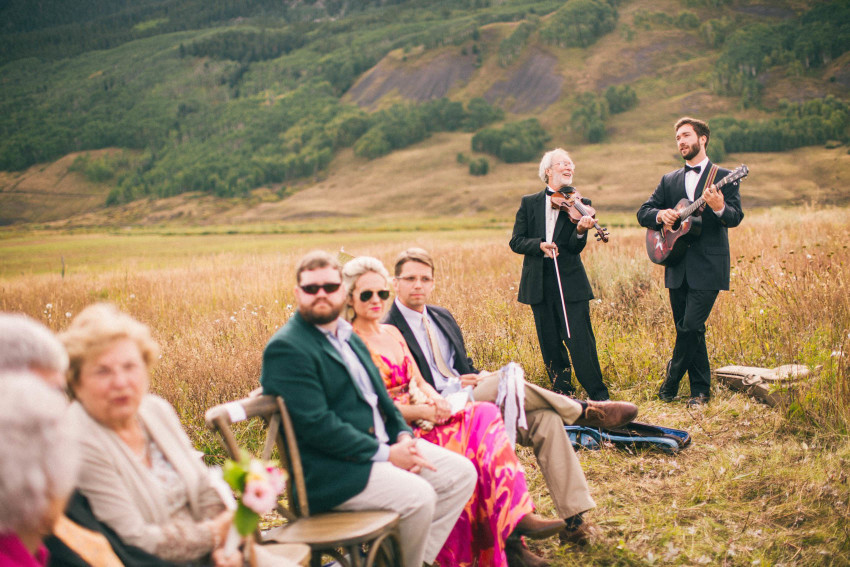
point(692, 152)
point(312, 314)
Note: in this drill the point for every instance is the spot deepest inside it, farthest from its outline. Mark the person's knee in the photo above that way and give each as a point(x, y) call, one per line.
point(420, 498)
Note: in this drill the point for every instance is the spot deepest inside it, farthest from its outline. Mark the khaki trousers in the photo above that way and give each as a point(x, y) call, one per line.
point(546, 413)
point(429, 503)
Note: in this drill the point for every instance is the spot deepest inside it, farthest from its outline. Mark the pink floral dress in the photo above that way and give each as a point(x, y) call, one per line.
point(500, 499)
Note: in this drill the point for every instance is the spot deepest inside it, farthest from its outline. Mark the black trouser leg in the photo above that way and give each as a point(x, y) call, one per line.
point(691, 308)
point(551, 333)
point(582, 347)
point(552, 348)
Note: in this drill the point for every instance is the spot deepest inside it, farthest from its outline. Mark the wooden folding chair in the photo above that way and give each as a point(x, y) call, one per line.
point(344, 536)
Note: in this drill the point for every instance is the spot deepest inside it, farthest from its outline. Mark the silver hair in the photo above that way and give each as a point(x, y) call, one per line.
point(546, 163)
point(27, 344)
point(39, 452)
point(353, 269)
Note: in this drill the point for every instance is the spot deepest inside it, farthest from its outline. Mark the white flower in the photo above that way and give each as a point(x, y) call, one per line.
point(68, 314)
point(49, 306)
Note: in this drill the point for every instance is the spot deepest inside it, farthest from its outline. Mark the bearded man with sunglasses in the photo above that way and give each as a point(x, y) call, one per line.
point(356, 449)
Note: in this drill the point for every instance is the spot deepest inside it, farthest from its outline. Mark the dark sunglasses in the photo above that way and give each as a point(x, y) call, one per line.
point(367, 295)
point(313, 289)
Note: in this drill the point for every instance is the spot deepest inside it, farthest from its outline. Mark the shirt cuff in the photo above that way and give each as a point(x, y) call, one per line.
point(720, 212)
point(580, 236)
point(382, 454)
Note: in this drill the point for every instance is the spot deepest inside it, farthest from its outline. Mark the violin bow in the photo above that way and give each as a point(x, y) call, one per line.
point(561, 289)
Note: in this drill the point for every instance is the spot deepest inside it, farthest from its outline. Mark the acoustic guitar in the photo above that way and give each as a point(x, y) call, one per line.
point(666, 247)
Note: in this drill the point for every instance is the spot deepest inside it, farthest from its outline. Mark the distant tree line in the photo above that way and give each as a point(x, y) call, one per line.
point(802, 124)
point(511, 47)
point(295, 138)
point(514, 142)
point(810, 41)
point(684, 20)
point(246, 45)
point(579, 23)
point(591, 110)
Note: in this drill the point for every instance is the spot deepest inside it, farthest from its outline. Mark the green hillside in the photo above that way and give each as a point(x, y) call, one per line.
point(274, 104)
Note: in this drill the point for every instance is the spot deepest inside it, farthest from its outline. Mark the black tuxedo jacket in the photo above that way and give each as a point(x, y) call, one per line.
point(447, 324)
point(706, 263)
point(529, 232)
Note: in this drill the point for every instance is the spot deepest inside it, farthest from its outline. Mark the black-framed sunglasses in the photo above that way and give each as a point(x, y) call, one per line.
point(313, 289)
point(366, 295)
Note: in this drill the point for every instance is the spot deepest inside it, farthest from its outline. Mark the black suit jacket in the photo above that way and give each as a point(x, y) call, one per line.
point(447, 324)
point(529, 232)
point(706, 263)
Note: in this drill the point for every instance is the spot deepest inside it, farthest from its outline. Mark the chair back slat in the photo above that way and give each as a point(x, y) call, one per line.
point(288, 445)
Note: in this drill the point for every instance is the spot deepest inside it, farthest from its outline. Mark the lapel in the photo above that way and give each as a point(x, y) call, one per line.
point(539, 213)
point(679, 187)
point(325, 345)
point(701, 182)
point(448, 331)
point(362, 352)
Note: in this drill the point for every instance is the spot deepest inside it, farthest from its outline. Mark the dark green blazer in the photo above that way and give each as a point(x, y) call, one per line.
point(332, 420)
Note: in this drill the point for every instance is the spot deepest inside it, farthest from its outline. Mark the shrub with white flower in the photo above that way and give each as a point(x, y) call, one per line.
point(257, 486)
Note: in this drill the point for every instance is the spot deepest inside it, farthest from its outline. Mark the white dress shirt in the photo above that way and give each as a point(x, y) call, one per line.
point(417, 325)
point(362, 381)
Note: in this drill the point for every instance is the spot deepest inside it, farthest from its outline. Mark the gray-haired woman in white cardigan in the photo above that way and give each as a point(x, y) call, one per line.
point(139, 470)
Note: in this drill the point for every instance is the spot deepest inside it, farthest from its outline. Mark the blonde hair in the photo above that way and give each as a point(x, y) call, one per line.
point(351, 272)
point(95, 328)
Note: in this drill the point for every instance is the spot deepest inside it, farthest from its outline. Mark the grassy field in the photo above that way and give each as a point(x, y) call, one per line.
point(758, 486)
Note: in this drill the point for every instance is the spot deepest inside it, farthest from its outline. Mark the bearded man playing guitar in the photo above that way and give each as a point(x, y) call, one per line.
point(702, 267)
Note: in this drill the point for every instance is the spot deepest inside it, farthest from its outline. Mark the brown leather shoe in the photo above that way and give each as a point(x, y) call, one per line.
point(579, 536)
point(520, 556)
point(535, 527)
point(608, 415)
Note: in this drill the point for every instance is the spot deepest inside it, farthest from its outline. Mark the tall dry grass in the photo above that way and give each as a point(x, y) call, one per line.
point(758, 486)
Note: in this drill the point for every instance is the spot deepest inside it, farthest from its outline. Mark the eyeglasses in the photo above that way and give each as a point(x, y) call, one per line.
point(313, 289)
point(366, 295)
point(412, 279)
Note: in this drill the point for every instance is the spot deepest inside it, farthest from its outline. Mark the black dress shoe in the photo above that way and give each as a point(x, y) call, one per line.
point(699, 400)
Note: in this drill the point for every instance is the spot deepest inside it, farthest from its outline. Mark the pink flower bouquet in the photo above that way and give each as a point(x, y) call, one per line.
point(257, 486)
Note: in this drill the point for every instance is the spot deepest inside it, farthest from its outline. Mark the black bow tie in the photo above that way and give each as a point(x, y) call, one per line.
point(695, 168)
point(549, 192)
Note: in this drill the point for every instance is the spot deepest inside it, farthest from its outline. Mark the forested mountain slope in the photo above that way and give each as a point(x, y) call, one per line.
point(279, 102)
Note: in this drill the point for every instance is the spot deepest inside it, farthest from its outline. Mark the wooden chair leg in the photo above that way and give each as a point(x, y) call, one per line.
point(388, 546)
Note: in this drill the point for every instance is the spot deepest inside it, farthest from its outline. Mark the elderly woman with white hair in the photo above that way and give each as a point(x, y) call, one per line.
point(37, 469)
point(26, 344)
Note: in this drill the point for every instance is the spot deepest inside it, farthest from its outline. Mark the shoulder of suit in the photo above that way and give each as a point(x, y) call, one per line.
point(532, 196)
point(441, 310)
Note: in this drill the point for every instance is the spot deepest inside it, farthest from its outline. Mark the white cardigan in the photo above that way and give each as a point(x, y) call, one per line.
point(121, 491)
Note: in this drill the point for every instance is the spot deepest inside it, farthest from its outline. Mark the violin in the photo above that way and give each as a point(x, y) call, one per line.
point(569, 200)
